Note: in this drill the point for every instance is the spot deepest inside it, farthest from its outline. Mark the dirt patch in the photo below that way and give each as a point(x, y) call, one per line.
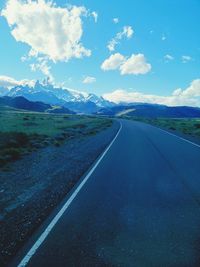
point(38, 182)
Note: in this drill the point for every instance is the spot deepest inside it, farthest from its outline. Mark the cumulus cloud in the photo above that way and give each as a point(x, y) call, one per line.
point(9, 82)
point(115, 20)
point(186, 59)
point(190, 96)
point(89, 79)
point(49, 30)
point(168, 57)
point(127, 32)
point(113, 62)
point(135, 64)
point(192, 91)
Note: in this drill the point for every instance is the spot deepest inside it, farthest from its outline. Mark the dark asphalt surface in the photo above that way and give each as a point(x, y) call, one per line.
point(140, 207)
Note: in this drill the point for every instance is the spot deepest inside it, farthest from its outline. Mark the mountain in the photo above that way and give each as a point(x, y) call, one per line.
point(69, 100)
point(22, 103)
point(87, 107)
point(37, 93)
point(151, 110)
point(80, 102)
point(3, 91)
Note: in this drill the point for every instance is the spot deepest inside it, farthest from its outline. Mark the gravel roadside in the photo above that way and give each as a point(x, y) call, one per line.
point(37, 183)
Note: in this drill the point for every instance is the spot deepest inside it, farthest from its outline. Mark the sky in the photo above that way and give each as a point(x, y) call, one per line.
point(125, 50)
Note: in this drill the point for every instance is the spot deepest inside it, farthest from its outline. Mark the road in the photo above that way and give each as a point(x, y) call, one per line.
point(140, 207)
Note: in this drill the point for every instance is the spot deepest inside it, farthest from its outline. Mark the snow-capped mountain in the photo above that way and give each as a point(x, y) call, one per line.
point(99, 101)
point(78, 101)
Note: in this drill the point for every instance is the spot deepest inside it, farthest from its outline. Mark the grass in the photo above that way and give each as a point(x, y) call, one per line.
point(186, 126)
point(22, 133)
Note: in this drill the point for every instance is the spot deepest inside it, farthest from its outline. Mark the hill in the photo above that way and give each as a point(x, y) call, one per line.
point(151, 111)
point(22, 103)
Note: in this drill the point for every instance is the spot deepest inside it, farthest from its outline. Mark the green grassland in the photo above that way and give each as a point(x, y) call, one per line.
point(24, 132)
point(186, 126)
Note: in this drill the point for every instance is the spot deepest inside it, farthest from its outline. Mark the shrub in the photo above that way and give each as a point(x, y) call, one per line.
point(56, 143)
point(80, 126)
point(172, 128)
point(11, 153)
point(22, 138)
point(2, 161)
point(25, 118)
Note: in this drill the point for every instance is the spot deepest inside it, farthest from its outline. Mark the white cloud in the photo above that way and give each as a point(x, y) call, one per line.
point(115, 20)
point(113, 62)
point(127, 32)
point(42, 65)
point(23, 58)
point(163, 37)
point(9, 82)
point(186, 59)
point(95, 15)
point(192, 91)
point(89, 79)
point(111, 45)
point(50, 31)
point(135, 64)
point(168, 57)
point(190, 96)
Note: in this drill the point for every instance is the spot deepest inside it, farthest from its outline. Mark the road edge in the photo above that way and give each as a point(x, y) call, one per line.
point(175, 135)
point(65, 206)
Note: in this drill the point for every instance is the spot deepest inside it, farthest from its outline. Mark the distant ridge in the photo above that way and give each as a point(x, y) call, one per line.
point(21, 102)
point(151, 111)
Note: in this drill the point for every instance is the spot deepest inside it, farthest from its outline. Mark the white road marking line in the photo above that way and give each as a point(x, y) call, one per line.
point(190, 142)
point(46, 232)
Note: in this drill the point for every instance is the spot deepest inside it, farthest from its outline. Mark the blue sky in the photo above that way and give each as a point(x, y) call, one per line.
point(166, 33)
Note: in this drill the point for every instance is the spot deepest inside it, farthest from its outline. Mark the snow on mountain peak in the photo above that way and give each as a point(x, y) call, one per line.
point(51, 94)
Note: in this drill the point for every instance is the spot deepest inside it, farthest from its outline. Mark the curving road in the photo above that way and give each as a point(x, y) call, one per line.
point(140, 207)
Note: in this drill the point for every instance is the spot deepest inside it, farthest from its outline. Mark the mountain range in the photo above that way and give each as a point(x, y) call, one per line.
point(21, 103)
point(46, 97)
point(79, 102)
point(151, 111)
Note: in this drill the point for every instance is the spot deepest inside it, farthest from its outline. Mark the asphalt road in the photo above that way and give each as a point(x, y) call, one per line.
point(139, 208)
